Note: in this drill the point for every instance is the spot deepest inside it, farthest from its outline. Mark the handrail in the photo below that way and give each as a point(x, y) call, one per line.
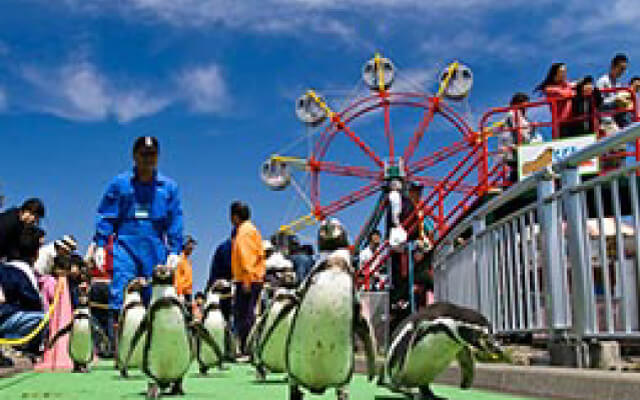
point(604, 145)
point(626, 135)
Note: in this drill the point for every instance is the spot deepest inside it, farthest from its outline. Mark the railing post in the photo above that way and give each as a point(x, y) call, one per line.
point(555, 301)
point(581, 273)
point(481, 264)
point(441, 292)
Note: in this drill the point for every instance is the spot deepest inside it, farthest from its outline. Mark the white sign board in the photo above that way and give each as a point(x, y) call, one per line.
point(533, 157)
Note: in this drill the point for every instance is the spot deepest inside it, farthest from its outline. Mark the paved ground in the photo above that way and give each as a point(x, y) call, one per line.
point(237, 383)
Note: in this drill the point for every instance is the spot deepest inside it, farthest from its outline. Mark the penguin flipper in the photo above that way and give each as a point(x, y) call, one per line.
point(229, 343)
point(284, 311)
point(203, 334)
point(465, 360)
point(66, 329)
point(142, 328)
point(364, 332)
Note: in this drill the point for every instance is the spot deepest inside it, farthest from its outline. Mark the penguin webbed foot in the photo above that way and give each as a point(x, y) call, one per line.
point(427, 394)
point(203, 370)
point(342, 393)
point(177, 389)
point(295, 393)
point(261, 374)
point(124, 373)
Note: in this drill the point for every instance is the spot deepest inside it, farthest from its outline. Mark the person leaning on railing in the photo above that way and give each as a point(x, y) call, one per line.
point(583, 109)
point(610, 100)
point(516, 130)
point(560, 91)
point(625, 101)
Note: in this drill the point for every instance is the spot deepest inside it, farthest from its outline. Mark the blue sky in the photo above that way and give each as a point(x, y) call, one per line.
point(216, 80)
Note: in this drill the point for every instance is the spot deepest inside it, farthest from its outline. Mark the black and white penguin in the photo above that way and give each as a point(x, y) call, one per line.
point(269, 352)
point(320, 346)
point(167, 351)
point(214, 323)
point(80, 328)
point(131, 316)
point(425, 343)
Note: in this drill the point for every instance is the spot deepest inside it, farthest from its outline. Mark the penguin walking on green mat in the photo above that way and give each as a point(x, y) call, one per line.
point(131, 316)
point(80, 328)
point(425, 343)
point(217, 327)
point(167, 351)
point(320, 345)
point(269, 351)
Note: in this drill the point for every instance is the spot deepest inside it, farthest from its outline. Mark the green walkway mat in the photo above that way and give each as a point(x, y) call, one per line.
point(236, 383)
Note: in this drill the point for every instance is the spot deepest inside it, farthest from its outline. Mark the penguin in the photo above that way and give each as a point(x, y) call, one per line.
point(320, 345)
point(425, 343)
point(269, 352)
point(131, 317)
point(167, 351)
point(80, 329)
point(214, 323)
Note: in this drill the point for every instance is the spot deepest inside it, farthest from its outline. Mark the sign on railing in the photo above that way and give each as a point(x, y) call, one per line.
point(536, 156)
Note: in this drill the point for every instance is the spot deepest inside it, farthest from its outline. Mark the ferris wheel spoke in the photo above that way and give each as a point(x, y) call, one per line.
point(349, 199)
point(432, 182)
point(301, 193)
point(417, 136)
point(344, 170)
point(360, 143)
point(436, 157)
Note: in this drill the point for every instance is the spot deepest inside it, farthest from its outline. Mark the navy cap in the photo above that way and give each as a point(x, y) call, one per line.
point(146, 142)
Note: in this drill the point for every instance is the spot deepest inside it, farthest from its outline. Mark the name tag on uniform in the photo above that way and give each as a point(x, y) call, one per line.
point(142, 211)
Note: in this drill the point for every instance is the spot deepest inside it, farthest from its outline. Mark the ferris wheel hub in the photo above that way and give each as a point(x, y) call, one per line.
point(394, 169)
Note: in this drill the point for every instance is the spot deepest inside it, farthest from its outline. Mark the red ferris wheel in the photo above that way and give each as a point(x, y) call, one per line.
point(391, 131)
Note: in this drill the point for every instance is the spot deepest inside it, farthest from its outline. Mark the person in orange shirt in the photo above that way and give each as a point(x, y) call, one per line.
point(247, 269)
point(183, 277)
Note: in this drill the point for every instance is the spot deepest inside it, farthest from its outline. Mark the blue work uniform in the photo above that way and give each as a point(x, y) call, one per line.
point(146, 221)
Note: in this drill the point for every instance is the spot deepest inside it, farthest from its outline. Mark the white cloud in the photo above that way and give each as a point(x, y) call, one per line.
point(78, 91)
point(620, 16)
point(476, 43)
point(204, 88)
point(135, 104)
point(297, 17)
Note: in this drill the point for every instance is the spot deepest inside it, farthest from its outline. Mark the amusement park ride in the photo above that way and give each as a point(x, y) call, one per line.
point(454, 162)
point(466, 179)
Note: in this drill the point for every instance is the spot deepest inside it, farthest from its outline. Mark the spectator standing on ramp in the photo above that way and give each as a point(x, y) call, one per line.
point(247, 268)
point(142, 209)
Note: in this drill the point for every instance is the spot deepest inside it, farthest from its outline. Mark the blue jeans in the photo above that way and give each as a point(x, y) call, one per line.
point(20, 324)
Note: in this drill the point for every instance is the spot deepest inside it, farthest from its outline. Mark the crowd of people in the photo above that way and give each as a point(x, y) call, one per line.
point(580, 107)
point(138, 226)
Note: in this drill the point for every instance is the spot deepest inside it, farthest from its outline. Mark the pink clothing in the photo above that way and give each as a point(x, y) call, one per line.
point(565, 90)
point(47, 285)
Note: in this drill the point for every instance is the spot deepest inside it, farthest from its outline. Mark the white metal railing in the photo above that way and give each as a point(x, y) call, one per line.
point(568, 263)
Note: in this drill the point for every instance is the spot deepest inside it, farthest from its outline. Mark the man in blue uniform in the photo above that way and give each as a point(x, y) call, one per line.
point(141, 208)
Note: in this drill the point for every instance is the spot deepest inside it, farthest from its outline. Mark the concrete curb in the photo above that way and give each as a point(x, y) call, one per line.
point(563, 383)
point(546, 382)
